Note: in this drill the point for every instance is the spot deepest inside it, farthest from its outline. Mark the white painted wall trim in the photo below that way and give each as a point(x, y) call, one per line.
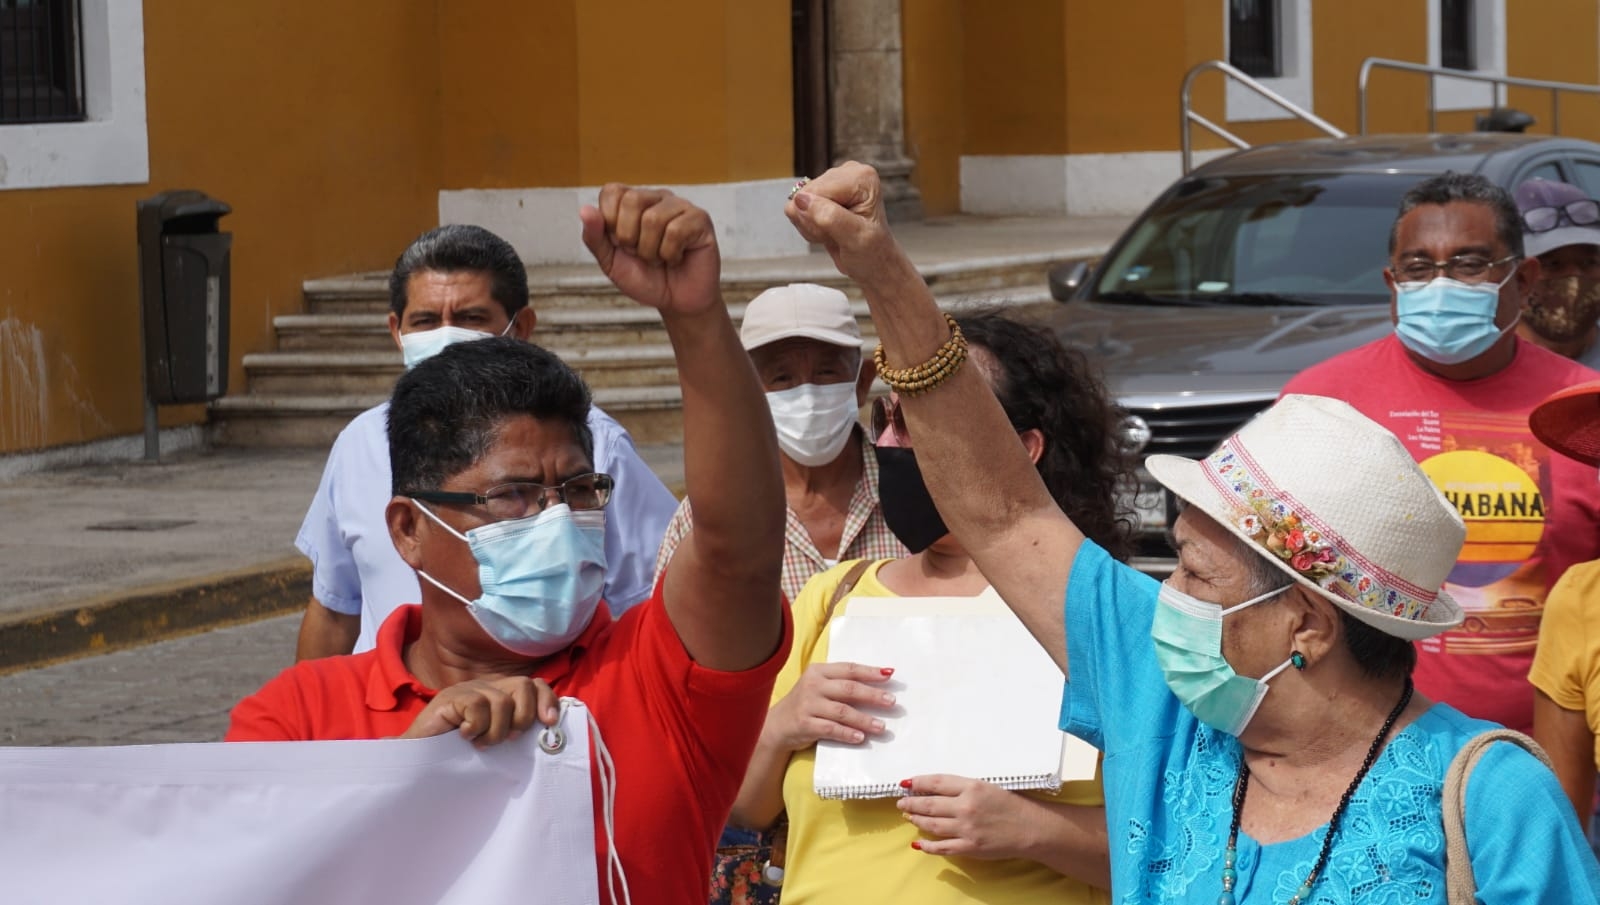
point(542, 224)
point(128, 448)
point(112, 146)
point(1294, 35)
point(1489, 49)
point(1069, 184)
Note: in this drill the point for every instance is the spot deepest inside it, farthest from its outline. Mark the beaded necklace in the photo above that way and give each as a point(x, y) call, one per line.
point(1229, 876)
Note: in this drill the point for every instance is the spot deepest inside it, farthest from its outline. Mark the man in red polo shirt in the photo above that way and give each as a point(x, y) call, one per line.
point(496, 508)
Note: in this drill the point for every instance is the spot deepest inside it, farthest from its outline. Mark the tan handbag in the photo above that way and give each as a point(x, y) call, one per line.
point(1461, 887)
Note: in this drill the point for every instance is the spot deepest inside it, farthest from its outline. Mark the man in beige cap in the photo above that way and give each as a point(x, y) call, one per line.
point(806, 348)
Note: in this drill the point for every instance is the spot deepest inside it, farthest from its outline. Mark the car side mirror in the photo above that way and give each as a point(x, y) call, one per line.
point(1065, 279)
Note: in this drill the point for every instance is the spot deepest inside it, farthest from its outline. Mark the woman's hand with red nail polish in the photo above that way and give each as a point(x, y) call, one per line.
point(829, 702)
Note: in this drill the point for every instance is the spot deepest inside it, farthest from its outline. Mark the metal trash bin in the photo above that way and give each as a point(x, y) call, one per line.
point(184, 264)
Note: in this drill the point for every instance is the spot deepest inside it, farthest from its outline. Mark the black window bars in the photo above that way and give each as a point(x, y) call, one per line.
point(41, 62)
point(1254, 44)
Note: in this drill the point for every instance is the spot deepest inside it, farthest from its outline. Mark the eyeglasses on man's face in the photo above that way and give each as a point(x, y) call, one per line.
point(1464, 268)
point(1583, 212)
point(521, 499)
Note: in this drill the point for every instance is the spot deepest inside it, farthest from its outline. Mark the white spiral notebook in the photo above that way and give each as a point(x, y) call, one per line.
point(975, 696)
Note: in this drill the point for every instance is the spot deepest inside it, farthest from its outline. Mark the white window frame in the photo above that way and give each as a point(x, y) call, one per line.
point(111, 146)
point(1489, 50)
point(1294, 53)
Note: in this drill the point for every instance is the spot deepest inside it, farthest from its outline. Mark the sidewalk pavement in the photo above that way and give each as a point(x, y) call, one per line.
point(103, 557)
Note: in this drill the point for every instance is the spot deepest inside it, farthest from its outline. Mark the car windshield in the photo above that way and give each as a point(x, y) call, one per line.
point(1299, 239)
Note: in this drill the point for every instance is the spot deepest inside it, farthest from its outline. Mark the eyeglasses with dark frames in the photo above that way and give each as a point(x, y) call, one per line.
point(1465, 268)
point(1583, 212)
point(521, 499)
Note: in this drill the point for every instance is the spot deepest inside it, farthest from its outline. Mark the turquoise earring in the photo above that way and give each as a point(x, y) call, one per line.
point(1297, 660)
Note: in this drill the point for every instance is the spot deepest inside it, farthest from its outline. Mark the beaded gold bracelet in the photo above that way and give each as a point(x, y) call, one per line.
point(919, 379)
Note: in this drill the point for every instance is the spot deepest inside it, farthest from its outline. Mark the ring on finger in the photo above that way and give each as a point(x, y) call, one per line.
point(798, 186)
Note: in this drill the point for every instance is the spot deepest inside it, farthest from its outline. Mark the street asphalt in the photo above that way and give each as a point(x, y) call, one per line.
point(179, 690)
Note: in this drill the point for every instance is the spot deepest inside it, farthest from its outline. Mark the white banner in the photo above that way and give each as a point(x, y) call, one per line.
point(263, 823)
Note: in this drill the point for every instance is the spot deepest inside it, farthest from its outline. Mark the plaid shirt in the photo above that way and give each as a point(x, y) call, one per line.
point(865, 534)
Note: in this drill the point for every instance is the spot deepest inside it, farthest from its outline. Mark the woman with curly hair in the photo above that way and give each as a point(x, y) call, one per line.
point(964, 837)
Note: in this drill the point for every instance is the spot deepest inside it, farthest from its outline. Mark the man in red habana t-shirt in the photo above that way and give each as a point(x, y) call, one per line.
point(492, 484)
point(1456, 383)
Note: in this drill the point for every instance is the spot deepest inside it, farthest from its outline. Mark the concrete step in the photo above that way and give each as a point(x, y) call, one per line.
point(285, 421)
point(570, 329)
point(651, 414)
point(337, 359)
point(553, 289)
point(331, 373)
point(322, 373)
point(367, 332)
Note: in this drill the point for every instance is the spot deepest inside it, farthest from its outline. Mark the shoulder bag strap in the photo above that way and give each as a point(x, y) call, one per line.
point(779, 834)
point(1461, 887)
point(845, 586)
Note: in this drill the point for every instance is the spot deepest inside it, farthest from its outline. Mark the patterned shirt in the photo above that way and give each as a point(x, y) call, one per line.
point(865, 535)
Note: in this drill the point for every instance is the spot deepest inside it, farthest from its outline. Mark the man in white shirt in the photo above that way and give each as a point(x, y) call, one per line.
point(454, 283)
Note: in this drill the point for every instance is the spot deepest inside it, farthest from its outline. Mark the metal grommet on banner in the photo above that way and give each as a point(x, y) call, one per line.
point(797, 187)
point(552, 740)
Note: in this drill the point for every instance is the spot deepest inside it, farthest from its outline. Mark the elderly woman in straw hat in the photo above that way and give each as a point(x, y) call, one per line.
point(1262, 739)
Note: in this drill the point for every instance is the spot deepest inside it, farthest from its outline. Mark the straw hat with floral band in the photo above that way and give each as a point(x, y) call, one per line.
point(1569, 422)
point(1358, 521)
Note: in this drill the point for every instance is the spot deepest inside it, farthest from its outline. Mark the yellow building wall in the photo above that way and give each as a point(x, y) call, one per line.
point(1126, 62)
point(690, 91)
point(1556, 41)
point(564, 93)
point(317, 122)
point(1073, 77)
point(933, 43)
point(331, 128)
point(507, 82)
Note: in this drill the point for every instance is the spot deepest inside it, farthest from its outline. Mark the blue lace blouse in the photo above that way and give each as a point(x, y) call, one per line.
point(1169, 781)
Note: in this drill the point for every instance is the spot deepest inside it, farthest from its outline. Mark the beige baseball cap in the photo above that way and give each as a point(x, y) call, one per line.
point(803, 310)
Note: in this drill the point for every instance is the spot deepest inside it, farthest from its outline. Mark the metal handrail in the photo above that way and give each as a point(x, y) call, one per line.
point(1500, 83)
point(1188, 116)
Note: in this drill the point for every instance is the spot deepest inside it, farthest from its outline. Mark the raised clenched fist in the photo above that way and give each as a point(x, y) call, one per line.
point(657, 248)
point(842, 210)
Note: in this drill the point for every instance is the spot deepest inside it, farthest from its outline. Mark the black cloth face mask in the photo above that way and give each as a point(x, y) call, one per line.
point(908, 509)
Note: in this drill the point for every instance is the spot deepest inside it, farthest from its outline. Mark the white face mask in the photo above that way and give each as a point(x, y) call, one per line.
point(424, 344)
point(814, 420)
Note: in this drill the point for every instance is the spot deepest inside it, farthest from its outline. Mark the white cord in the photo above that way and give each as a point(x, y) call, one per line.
point(606, 770)
point(608, 795)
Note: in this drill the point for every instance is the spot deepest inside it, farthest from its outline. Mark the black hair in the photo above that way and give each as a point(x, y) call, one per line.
point(459, 247)
point(448, 410)
point(1046, 386)
point(1378, 654)
point(1471, 188)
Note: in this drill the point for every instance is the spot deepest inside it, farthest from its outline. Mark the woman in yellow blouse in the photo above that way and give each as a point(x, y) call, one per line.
point(1566, 666)
point(952, 839)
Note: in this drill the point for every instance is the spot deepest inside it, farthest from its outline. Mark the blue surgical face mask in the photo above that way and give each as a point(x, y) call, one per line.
point(1188, 637)
point(424, 344)
point(541, 577)
point(1448, 321)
